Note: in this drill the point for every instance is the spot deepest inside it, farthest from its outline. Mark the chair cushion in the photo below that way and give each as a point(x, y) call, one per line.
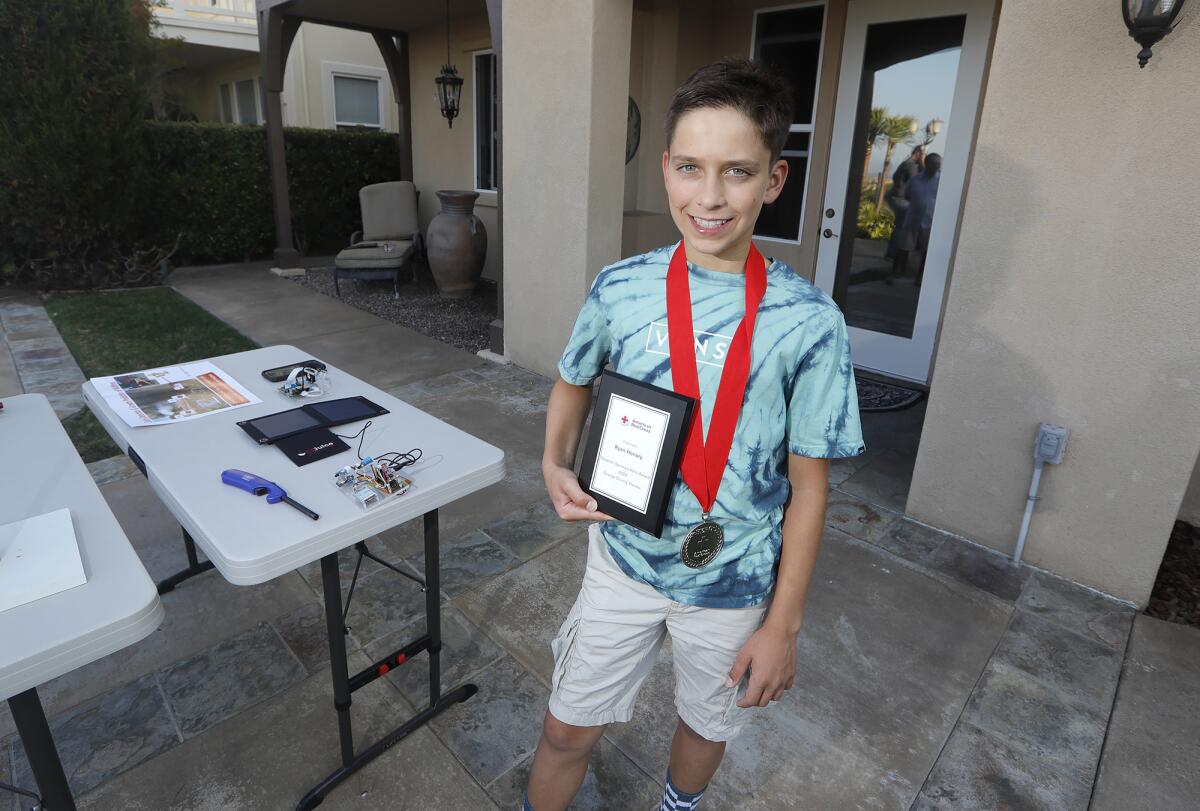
point(389, 210)
point(383, 254)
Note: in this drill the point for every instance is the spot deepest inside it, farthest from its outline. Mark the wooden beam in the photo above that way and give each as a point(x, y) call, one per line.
point(395, 53)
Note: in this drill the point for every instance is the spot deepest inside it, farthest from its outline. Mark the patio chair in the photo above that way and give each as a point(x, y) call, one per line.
point(391, 237)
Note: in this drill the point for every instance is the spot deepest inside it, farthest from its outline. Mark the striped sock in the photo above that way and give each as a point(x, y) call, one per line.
point(675, 799)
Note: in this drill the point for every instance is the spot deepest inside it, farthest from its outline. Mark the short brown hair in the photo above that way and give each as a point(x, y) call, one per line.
point(749, 87)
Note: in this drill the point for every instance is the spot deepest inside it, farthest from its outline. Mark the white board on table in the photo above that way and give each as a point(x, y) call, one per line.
point(39, 556)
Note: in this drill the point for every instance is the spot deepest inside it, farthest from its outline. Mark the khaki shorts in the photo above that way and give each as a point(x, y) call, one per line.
point(610, 640)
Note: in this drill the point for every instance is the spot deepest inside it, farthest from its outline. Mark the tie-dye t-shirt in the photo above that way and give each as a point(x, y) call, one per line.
point(800, 398)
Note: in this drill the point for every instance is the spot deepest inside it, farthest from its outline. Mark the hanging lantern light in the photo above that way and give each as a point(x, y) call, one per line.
point(1149, 21)
point(449, 83)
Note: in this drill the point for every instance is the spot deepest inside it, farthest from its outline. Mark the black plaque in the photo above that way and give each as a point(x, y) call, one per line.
point(653, 455)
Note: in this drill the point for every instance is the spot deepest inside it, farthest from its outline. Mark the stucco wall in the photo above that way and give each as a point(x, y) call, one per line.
point(444, 157)
point(1190, 509)
point(1073, 301)
point(564, 152)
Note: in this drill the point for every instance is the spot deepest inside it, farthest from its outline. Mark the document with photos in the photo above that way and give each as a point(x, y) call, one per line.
point(172, 393)
point(631, 445)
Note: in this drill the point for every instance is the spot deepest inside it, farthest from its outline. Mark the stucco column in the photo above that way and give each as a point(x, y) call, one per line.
point(565, 89)
point(1073, 300)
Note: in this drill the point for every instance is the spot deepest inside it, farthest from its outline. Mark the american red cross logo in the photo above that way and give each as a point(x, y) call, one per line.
point(624, 420)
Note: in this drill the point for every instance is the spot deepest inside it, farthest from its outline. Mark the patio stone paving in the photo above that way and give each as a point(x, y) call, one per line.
point(228, 677)
point(34, 357)
point(107, 735)
point(269, 756)
point(932, 674)
point(468, 561)
point(1153, 744)
point(492, 736)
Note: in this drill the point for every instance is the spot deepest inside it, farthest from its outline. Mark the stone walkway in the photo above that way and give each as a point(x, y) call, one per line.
point(931, 673)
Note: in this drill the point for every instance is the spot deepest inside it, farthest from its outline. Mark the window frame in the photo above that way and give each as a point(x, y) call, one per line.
point(805, 128)
point(475, 55)
point(232, 84)
point(379, 75)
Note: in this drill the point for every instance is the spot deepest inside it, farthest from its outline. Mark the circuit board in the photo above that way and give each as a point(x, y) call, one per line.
point(371, 482)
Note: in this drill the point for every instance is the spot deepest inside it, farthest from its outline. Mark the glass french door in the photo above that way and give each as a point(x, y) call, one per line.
point(903, 127)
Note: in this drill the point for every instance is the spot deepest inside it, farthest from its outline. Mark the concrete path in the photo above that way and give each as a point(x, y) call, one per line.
point(932, 673)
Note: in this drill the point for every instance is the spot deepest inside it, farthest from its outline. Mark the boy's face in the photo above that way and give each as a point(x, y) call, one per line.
point(718, 174)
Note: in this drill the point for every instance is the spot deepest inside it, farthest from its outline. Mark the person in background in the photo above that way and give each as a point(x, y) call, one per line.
point(921, 194)
point(911, 166)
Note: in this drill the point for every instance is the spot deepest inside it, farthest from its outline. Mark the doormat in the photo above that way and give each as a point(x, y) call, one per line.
point(875, 395)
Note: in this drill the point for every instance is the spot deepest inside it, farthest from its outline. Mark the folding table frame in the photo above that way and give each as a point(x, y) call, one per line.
point(343, 683)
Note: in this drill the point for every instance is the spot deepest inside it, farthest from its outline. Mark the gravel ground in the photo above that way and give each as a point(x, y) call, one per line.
point(462, 323)
point(1176, 595)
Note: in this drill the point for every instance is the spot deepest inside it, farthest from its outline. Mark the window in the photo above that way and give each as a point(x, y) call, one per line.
point(226, 103)
point(486, 108)
point(239, 102)
point(356, 102)
point(789, 42)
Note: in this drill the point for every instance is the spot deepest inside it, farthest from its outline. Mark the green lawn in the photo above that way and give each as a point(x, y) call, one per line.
point(111, 333)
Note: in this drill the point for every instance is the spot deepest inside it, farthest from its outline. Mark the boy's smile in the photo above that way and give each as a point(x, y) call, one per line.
point(718, 174)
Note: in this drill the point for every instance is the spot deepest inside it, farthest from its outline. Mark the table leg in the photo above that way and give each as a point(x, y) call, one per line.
point(344, 684)
point(39, 748)
point(194, 568)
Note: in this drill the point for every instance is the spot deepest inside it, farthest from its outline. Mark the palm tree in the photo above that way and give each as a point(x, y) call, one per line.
point(895, 129)
point(874, 132)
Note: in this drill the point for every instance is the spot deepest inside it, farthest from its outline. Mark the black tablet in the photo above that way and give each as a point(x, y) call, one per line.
point(347, 409)
point(265, 430)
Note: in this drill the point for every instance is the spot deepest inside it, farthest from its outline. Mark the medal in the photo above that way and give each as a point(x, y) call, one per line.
point(702, 544)
point(704, 462)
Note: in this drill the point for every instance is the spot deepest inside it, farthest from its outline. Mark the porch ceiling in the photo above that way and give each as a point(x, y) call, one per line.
point(396, 15)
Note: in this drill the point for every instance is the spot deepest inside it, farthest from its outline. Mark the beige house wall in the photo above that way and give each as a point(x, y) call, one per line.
point(443, 156)
point(1073, 301)
point(1190, 509)
point(564, 152)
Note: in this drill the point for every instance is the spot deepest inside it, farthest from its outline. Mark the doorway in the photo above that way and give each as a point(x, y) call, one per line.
point(903, 126)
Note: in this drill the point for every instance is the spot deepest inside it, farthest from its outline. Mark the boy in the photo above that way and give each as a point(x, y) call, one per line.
point(733, 620)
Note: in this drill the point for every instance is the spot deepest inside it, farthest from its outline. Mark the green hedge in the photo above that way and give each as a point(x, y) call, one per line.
point(211, 187)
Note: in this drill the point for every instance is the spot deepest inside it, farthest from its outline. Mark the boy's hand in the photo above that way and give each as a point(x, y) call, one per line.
point(568, 498)
point(771, 656)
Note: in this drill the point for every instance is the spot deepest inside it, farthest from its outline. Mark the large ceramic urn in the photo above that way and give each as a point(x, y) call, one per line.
point(457, 244)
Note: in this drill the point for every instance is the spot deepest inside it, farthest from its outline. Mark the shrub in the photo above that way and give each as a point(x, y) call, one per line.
point(73, 89)
point(874, 224)
point(92, 194)
point(211, 187)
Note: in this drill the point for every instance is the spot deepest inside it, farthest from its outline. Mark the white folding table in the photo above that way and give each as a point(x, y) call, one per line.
point(116, 607)
point(250, 541)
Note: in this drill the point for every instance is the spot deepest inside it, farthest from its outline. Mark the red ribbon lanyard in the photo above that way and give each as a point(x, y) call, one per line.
point(704, 462)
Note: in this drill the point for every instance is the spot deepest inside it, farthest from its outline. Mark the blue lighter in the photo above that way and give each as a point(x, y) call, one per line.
point(261, 487)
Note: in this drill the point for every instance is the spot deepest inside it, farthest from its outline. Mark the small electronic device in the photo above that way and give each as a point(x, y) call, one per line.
point(372, 481)
point(280, 373)
point(306, 381)
point(272, 427)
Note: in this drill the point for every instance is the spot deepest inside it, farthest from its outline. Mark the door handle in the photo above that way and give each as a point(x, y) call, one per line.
point(828, 233)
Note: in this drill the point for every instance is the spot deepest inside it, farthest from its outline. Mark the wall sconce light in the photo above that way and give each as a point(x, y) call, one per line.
point(1149, 21)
